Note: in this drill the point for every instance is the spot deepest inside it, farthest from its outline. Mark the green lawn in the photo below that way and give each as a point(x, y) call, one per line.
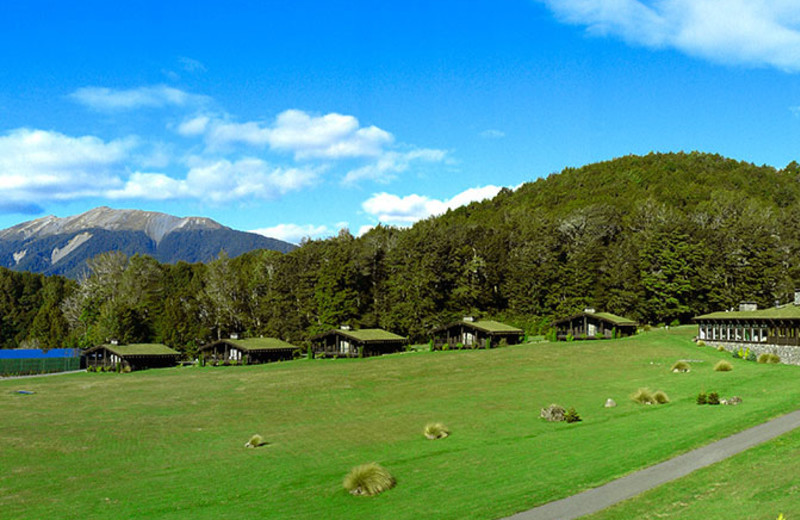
point(168, 444)
point(758, 484)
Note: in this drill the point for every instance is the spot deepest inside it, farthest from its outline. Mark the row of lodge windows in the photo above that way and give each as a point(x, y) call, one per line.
point(744, 332)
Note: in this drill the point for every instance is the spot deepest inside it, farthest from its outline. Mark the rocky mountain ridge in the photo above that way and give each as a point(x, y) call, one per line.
point(52, 245)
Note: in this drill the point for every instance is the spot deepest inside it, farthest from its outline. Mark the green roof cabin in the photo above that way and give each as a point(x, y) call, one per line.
point(345, 342)
point(590, 324)
point(775, 330)
point(471, 333)
point(249, 351)
point(137, 356)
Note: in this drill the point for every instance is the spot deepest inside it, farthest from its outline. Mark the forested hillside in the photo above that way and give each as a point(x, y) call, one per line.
point(656, 238)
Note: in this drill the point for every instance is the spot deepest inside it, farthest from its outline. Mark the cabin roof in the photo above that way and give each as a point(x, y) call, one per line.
point(252, 344)
point(137, 349)
point(364, 335)
point(775, 313)
point(605, 316)
point(489, 326)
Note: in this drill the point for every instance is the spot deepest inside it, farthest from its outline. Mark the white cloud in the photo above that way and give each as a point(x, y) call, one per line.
point(752, 32)
point(111, 100)
point(492, 134)
point(411, 208)
point(293, 233)
point(332, 136)
point(363, 230)
point(191, 65)
point(218, 181)
point(37, 165)
point(194, 126)
point(387, 166)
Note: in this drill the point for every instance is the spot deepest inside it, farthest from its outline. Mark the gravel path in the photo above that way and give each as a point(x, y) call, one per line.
point(597, 499)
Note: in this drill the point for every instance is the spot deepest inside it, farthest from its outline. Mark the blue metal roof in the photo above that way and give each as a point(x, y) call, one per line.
point(30, 353)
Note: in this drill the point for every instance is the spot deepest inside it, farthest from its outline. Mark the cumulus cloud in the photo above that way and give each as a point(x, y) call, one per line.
point(763, 32)
point(38, 164)
point(218, 181)
point(411, 208)
point(116, 100)
point(293, 233)
point(332, 136)
point(386, 167)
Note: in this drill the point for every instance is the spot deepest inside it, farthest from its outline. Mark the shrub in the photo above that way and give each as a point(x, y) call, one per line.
point(680, 366)
point(643, 396)
point(720, 349)
point(660, 397)
point(713, 398)
point(255, 441)
point(553, 413)
point(570, 337)
point(702, 398)
point(763, 358)
point(774, 359)
point(675, 323)
point(435, 431)
point(459, 345)
point(701, 343)
point(503, 343)
point(572, 416)
point(751, 356)
point(368, 480)
point(723, 366)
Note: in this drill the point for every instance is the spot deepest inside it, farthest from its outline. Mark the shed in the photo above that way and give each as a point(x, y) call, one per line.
point(594, 325)
point(357, 343)
point(475, 334)
point(136, 356)
point(247, 351)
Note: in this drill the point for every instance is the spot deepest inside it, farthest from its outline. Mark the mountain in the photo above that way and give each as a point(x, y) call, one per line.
point(52, 245)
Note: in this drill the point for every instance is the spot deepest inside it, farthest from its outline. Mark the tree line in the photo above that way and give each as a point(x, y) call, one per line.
point(656, 238)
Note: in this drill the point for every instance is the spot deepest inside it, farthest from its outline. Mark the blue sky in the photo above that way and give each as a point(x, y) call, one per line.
point(299, 118)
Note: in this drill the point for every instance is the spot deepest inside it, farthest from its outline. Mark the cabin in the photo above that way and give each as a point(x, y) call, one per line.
point(249, 351)
point(590, 324)
point(345, 342)
point(136, 356)
point(774, 330)
point(471, 333)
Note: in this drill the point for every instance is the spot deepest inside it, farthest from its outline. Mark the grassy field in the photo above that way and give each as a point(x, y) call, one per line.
point(168, 444)
point(760, 483)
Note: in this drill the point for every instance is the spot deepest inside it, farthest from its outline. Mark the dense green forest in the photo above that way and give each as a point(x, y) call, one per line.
point(656, 238)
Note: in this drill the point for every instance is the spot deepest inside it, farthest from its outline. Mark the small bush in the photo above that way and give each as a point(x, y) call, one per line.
point(680, 366)
point(751, 356)
point(713, 398)
point(723, 366)
point(553, 413)
point(572, 416)
point(368, 480)
point(675, 323)
point(774, 359)
point(459, 345)
point(720, 349)
point(643, 396)
point(660, 397)
point(701, 343)
point(255, 441)
point(435, 431)
point(702, 398)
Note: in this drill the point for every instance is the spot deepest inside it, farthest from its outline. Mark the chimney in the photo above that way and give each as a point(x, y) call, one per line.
point(234, 336)
point(748, 306)
point(589, 310)
point(469, 319)
point(114, 342)
point(344, 327)
point(797, 296)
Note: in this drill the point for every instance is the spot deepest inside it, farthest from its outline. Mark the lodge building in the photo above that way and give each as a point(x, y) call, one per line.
point(471, 333)
point(345, 342)
point(590, 324)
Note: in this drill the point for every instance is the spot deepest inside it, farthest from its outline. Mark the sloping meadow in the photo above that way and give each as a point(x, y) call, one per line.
point(170, 443)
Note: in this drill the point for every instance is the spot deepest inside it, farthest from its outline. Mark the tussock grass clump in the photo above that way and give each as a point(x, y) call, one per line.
point(435, 431)
point(255, 441)
point(572, 416)
point(720, 349)
point(680, 366)
point(368, 480)
point(702, 398)
point(553, 413)
point(643, 396)
point(723, 366)
point(772, 359)
point(660, 397)
point(713, 398)
point(701, 343)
